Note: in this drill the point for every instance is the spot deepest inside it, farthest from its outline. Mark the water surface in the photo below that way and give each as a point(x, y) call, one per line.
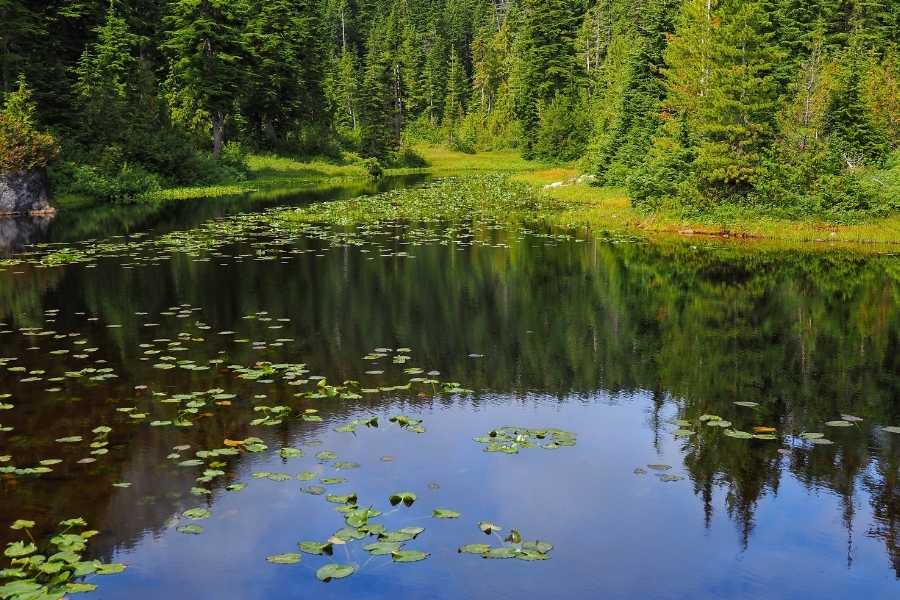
point(611, 339)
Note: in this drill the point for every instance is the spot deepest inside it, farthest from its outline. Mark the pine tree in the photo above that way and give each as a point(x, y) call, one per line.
point(378, 135)
point(736, 116)
point(207, 59)
point(852, 134)
point(457, 94)
point(107, 75)
point(548, 34)
point(281, 38)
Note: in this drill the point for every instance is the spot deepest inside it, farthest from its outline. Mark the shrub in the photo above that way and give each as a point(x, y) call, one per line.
point(22, 146)
point(406, 156)
point(125, 185)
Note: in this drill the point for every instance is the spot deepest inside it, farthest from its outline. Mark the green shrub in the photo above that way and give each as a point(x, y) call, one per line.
point(22, 146)
point(126, 185)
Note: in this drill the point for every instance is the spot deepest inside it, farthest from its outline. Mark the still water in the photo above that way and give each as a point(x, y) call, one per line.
point(621, 343)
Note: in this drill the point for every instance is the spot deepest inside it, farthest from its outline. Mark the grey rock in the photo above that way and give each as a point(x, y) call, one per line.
point(24, 192)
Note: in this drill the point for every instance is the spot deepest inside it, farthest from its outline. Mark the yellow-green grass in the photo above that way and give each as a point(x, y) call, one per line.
point(610, 209)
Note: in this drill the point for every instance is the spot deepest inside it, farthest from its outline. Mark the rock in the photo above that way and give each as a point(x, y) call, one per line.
point(24, 192)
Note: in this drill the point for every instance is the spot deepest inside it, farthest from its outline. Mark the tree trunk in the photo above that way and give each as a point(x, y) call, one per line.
point(218, 126)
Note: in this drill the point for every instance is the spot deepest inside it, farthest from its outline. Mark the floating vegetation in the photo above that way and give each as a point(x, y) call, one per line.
point(53, 574)
point(514, 546)
point(510, 439)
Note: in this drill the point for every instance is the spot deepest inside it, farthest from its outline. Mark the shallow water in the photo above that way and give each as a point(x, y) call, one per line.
point(610, 339)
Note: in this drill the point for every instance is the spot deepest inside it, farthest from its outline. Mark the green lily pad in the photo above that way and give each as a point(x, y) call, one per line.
point(196, 513)
point(316, 548)
point(474, 549)
point(444, 513)
point(407, 498)
point(289, 558)
point(502, 552)
point(408, 556)
point(839, 424)
point(110, 569)
point(190, 529)
point(334, 571)
point(382, 548)
point(17, 549)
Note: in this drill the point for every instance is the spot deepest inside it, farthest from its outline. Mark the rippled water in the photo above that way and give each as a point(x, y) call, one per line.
point(612, 340)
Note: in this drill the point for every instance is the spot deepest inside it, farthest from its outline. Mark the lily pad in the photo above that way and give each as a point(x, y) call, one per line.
point(407, 498)
point(408, 556)
point(488, 528)
point(196, 513)
point(444, 513)
point(334, 571)
point(382, 548)
point(289, 558)
point(316, 548)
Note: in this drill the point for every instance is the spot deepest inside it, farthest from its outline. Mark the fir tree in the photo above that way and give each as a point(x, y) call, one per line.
point(207, 62)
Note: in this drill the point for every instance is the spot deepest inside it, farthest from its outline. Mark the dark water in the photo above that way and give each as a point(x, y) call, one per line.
point(609, 339)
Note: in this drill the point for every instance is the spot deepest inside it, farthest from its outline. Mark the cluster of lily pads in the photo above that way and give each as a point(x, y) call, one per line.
point(688, 428)
point(509, 440)
point(512, 546)
point(51, 570)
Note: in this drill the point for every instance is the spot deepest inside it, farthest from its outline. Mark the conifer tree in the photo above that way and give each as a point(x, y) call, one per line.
point(548, 35)
point(736, 116)
point(207, 57)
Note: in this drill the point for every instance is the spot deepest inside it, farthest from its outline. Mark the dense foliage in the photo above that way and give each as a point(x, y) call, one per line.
point(791, 106)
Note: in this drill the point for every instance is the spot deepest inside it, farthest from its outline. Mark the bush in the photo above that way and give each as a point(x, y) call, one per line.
point(406, 156)
point(22, 148)
point(125, 185)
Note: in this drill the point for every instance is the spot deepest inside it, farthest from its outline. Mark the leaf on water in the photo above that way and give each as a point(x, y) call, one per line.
point(408, 556)
point(659, 467)
point(382, 548)
point(488, 528)
point(747, 404)
point(740, 435)
point(474, 549)
point(891, 429)
point(72, 439)
point(110, 569)
point(290, 453)
point(538, 546)
point(684, 432)
point(190, 529)
point(503, 552)
point(316, 548)
point(514, 537)
point(17, 549)
point(196, 513)
point(838, 423)
point(812, 436)
point(444, 513)
point(334, 571)
point(22, 524)
point(669, 477)
point(289, 558)
point(851, 418)
point(407, 498)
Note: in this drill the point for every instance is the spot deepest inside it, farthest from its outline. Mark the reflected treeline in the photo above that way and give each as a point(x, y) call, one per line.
point(808, 336)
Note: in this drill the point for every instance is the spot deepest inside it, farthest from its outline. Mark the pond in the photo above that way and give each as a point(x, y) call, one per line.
point(598, 416)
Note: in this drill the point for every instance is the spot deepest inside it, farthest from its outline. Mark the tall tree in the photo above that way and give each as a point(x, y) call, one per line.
point(207, 69)
point(548, 34)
